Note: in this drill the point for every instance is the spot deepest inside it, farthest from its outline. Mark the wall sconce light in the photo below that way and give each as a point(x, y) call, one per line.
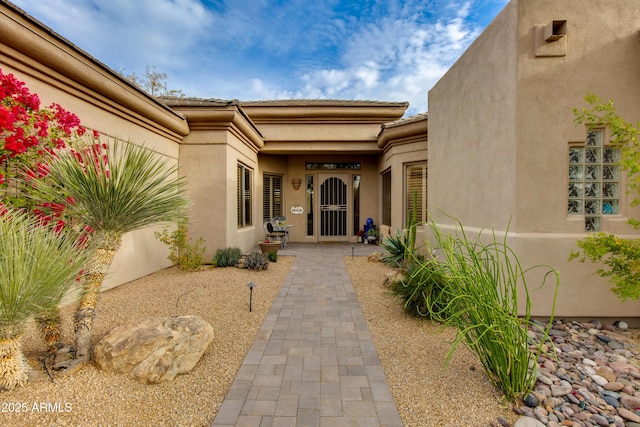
point(296, 183)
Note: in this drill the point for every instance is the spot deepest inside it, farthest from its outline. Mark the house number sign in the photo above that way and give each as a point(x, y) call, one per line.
point(297, 210)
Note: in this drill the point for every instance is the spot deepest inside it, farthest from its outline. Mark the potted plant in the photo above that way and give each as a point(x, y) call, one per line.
point(360, 233)
point(372, 235)
point(269, 246)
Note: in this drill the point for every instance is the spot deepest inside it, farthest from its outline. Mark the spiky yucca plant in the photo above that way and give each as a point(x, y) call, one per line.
point(129, 188)
point(37, 267)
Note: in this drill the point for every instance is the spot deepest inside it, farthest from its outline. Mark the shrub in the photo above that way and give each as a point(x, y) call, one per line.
point(227, 257)
point(394, 250)
point(256, 261)
point(421, 290)
point(481, 296)
point(187, 256)
point(272, 256)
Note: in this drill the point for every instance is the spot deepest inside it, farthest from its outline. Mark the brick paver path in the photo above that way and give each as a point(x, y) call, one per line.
point(313, 362)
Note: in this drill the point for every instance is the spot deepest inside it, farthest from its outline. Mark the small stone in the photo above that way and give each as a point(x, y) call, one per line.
point(615, 345)
point(600, 420)
point(607, 373)
point(530, 400)
point(613, 386)
point(503, 422)
point(630, 401)
point(623, 326)
point(601, 381)
point(528, 422)
point(628, 415)
point(560, 390)
point(611, 401)
point(603, 338)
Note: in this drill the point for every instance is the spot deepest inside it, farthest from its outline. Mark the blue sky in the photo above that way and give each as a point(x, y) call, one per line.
point(383, 50)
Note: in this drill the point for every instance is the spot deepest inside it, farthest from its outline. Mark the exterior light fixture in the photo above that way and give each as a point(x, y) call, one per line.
point(296, 183)
point(251, 286)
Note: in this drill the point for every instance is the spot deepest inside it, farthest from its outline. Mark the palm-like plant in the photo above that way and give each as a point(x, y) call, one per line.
point(37, 267)
point(129, 188)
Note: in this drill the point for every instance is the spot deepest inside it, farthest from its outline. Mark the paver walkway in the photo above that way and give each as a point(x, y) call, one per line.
point(313, 362)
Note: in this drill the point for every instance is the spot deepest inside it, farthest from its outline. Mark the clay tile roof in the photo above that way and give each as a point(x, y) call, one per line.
point(185, 101)
point(321, 102)
point(406, 120)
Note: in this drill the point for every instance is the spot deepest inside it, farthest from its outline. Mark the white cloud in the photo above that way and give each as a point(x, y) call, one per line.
point(271, 49)
point(126, 33)
point(397, 59)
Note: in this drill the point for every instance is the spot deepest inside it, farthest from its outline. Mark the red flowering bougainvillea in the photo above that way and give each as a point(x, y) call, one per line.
point(29, 136)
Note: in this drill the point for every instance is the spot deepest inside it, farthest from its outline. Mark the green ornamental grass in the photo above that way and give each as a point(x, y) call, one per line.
point(480, 299)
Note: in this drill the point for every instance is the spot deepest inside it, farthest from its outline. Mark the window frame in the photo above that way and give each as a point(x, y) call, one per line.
point(385, 177)
point(410, 187)
point(244, 195)
point(271, 208)
point(586, 177)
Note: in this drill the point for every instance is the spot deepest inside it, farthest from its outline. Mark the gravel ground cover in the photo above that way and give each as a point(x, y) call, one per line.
point(92, 397)
point(412, 351)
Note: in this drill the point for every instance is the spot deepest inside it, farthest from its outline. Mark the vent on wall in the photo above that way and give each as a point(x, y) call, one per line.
point(551, 39)
point(555, 30)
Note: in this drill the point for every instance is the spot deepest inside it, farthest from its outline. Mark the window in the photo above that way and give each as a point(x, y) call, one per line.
point(309, 204)
point(593, 180)
point(356, 204)
point(244, 195)
point(386, 197)
point(416, 194)
point(271, 196)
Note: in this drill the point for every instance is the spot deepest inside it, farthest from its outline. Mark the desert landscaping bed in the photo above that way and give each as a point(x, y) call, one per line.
point(412, 350)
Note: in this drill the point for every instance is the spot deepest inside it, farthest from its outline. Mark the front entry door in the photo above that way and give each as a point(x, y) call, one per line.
point(333, 207)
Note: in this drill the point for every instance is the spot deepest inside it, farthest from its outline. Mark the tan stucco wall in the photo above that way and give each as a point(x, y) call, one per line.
point(403, 144)
point(500, 122)
point(58, 72)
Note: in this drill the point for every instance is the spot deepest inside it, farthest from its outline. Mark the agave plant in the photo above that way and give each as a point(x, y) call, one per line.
point(127, 189)
point(37, 267)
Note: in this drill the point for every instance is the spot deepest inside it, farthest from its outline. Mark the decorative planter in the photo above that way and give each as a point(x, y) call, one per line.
point(268, 247)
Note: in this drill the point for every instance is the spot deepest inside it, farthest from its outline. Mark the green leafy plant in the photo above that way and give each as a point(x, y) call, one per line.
point(481, 301)
point(37, 267)
point(126, 188)
point(421, 289)
point(227, 257)
point(189, 257)
point(272, 256)
point(394, 250)
point(619, 256)
point(256, 261)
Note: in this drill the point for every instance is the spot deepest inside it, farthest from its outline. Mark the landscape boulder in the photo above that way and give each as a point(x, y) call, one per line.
point(156, 349)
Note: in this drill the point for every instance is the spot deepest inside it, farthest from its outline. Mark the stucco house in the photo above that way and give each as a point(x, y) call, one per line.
point(495, 147)
point(503, 146)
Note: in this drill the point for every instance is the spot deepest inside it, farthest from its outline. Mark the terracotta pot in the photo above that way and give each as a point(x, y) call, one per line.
point(269, 247)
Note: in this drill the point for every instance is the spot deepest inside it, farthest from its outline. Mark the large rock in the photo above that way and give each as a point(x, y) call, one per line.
point(156, 349)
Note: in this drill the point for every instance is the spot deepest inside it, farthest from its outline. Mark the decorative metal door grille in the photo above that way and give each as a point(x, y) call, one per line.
point(333, 208)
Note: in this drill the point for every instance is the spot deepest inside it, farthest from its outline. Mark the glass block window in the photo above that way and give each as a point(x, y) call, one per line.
point(593, 180)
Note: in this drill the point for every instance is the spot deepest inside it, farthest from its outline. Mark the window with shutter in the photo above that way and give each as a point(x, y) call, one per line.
point(416, 191)
point(243, 195)
point(386, 197)
point(271, 196)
